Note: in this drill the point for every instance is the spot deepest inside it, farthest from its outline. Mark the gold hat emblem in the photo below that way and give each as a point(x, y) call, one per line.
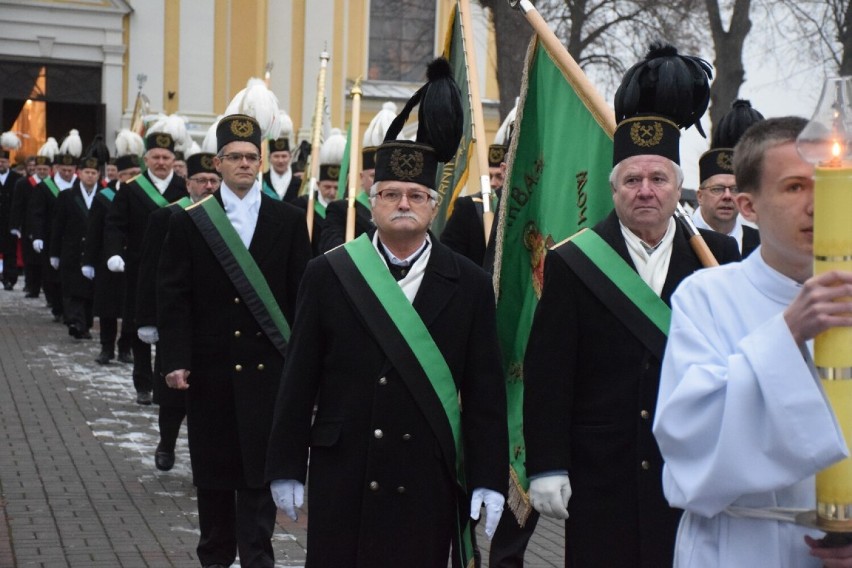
point(496, 154)
point(91, 163)
point(333, 171)
point(280, 145)
point(163, 141)
point(725, 161)
point(646, 135)
point(242, 128)
point(66, 160)
point(406, 165)
point(207, 162)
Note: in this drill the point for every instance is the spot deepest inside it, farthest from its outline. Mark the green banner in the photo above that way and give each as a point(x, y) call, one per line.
point(557, 184)
point(452, 176)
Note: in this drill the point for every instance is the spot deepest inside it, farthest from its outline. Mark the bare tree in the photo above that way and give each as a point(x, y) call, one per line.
point(728, 61)
point(512, 34)
point(829, 22)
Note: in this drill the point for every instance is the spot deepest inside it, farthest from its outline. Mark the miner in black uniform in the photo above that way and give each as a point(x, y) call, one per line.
point(24, 190)
point(279, 181)
point(227, 281)
point(8, 239)
point(124, 232)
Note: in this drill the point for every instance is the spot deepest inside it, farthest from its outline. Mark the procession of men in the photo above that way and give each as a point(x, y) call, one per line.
point(330, 352)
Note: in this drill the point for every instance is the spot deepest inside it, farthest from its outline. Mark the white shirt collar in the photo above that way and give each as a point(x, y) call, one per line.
point(280, 183)
point(242, 213)
point(652, 266)
point(736, 232)
point(161, 184)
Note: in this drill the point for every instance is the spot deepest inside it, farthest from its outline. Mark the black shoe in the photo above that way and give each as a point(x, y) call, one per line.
point(57, 318)
point(74, 332)
point(31, 295)
point(106, 355)
point(164, 460)
point(8, 285)
point(143, 398)
point(84, 334)
point(125, 356)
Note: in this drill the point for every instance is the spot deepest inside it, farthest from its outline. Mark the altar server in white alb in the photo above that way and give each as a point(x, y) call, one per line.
point(742, 421)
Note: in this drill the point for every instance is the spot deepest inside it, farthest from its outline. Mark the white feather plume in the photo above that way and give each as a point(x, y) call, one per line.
point(72, 144)
point(194, 148)
point(257, 101)
point(10, 141)
point(175, 125)
point(209, 143)
point(286, 127)
point(128, 142)
point(503, 132)
point(332, 149)
point(374, 134)
point(49, 149)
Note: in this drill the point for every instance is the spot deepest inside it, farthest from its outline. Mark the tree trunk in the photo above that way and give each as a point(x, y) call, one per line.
point(512, 34)
point(728, 62)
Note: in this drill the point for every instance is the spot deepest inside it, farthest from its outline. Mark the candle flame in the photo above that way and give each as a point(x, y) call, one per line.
point(835, 149)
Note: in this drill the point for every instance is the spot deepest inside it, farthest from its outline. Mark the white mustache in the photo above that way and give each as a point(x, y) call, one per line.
point(403, 215)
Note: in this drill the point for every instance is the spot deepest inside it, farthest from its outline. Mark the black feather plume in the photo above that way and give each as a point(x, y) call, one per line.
point(98, 149)
point(666, 84)
point(735, 122)
point(441, 118)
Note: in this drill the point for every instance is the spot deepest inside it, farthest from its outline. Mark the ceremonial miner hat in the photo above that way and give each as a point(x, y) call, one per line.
point(439, 131)
point(97, 153)
point(331, 155)
point(657, 97)
point(237, 128)
point(47, 152)
point(300, 157)
point(127, 162)
point(280, 144)
point(719, 159)
point(8, 141)
point(161, 140)
point(70, 149)
point(179, 156)
point(497, 151)
point(200, 163)
point(374, 134)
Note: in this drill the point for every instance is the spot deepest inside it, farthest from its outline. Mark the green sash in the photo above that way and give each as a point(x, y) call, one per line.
point(108, 193)
point(429, 359)
point(150, 190)
point(319, 208)
point(269, 191)
point(364, 199)
point(183, 202)
point(241, 268)
point(613, 281)
point(51, 185)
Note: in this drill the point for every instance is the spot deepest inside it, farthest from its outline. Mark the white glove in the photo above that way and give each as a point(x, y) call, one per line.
point(88, 271)
point(549, 495)
point(38, 245)
point(115, 263)
point(16, 232)
point(148, 334)
point(288, 495)
point(54, 262)
point(493, 508)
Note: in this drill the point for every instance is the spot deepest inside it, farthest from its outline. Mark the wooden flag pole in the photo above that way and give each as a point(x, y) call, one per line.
point(475, 103)
point(354, 161)
point(315, 143)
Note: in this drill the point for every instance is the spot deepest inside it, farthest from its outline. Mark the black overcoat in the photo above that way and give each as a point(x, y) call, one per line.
point(590, 391)
point(205, 327)
point(124, 231)
point(380, 492)
point(67, 240)
point(464, 231)
point(334, 231)
point(24, 189)
point(751, 240)
point(109, 286)
point(40, 220)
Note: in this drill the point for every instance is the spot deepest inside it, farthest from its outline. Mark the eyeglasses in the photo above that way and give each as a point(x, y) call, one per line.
point(237, 157)
point(395, 196)
point(717, 190)
point(206, 181)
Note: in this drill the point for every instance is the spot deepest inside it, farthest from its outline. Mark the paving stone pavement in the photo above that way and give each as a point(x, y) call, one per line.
point(78, 487)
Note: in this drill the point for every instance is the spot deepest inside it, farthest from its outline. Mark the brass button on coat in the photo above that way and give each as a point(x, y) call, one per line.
point(260, 367)
point(238, 368)
point(237, 333)
point(646, 464)
point(645, 414)
point(406, 437)
point(236, 300)
point(383, 381)
point(374, 485)
point(400, 489)
point(378, 433)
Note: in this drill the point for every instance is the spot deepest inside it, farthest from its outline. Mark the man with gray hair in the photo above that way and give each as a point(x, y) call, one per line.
point(592, 363)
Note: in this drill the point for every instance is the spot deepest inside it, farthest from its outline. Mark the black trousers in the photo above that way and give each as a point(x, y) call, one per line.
point(10, 259)
point(236, 520)
point(510, 541)
point(78, 312)
point(32, 275)
point(109, 331)
point(143, 373)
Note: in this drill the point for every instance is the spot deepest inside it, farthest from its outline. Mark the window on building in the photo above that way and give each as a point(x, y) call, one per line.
point(402, 39)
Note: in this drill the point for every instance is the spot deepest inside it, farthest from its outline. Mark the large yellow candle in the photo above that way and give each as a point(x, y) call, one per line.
point(833, 348)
